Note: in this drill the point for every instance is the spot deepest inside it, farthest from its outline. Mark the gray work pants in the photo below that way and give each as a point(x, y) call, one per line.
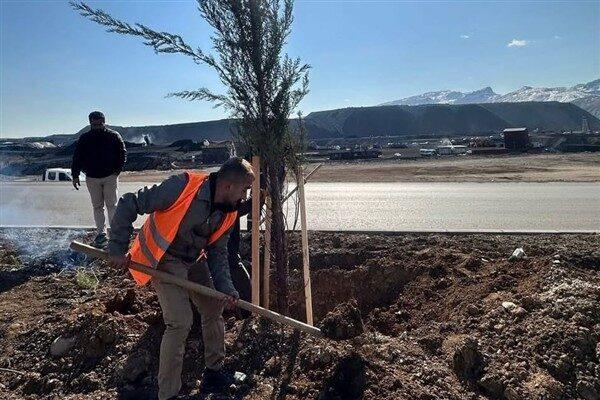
point(103, 191)
point(177, 314)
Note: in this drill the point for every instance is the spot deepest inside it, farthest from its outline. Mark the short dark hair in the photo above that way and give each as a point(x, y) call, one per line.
point(95, 115)
point(236, 169)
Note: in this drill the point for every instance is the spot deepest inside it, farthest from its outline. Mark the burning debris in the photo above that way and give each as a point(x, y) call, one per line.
point(31, 252)
point(44, 246)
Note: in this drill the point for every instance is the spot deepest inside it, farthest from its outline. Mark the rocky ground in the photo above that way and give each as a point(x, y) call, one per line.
point(414, 317)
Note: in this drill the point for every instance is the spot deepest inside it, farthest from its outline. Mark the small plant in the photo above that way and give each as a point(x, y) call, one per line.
point(86, 279)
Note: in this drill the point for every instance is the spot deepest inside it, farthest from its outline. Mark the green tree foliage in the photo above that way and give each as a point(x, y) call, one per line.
point(263, 88)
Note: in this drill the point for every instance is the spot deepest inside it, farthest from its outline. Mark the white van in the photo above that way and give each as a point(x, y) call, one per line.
point(60, 175)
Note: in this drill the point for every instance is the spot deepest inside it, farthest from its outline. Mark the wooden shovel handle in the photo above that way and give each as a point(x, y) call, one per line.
point(195, 287)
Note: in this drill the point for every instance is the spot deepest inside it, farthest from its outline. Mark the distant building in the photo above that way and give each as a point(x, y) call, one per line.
point(444, 150)
point(585, 127)
point(459, 149)
point(516, 139)
point(452, 150)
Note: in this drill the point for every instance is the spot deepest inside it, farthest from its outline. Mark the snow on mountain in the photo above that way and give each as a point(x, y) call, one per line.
point(487, 95)
point(561, 94)
point(584, 95)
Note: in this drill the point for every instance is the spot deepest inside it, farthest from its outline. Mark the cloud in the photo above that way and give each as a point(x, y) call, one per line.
point(557, 37)
point(517, 43)
point(465, 36)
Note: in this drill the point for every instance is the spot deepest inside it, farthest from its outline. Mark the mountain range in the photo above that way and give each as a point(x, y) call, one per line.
point(585, 95)
point(428, 119)
point(450, 119)
point(433, 113)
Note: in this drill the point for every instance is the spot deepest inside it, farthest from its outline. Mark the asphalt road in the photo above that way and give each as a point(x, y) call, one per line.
point(361, 206)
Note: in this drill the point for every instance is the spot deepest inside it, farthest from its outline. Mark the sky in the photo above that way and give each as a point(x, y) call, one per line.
point(57, 66)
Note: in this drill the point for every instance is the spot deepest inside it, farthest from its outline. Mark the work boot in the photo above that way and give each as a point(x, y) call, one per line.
point(100, 241)
point(216, 381)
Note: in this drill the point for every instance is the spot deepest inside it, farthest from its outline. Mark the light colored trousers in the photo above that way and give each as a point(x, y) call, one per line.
point(103, 191)
point(177, 314)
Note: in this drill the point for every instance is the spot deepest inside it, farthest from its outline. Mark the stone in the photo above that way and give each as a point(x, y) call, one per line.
point(61, 346)
point(518, 254)
point(239, 377)
point(508, 305)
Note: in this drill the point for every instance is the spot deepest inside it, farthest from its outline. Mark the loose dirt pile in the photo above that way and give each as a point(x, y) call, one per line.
point(444, 317)
point(344, 322)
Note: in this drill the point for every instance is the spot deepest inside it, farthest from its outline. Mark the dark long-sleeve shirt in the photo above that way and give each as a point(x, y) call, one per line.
point(99, 153)
point(199, 222)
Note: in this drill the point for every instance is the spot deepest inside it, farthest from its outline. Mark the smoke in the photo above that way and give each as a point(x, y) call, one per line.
point(45, 246)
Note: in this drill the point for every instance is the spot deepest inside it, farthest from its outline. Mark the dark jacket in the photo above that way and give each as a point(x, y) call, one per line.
point(99, 153)
point(197, 225)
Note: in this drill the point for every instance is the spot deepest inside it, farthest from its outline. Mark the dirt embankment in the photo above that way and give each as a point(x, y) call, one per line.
point(444, 317)
point(575, 167)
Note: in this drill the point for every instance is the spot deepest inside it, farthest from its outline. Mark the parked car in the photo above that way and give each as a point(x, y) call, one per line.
point(60, 175)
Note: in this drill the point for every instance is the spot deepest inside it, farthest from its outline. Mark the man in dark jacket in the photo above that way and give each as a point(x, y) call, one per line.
point(100, 153)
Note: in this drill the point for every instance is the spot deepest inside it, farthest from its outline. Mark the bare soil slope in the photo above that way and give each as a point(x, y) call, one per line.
point(444, 317)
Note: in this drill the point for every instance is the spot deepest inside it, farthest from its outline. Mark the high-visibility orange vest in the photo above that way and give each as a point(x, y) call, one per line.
point(160, 228)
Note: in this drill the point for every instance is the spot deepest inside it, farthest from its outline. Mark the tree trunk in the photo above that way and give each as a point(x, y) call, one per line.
point(278, 239)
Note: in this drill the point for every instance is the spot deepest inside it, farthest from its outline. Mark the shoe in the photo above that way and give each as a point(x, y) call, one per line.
point(216, 381)
point(100, 241)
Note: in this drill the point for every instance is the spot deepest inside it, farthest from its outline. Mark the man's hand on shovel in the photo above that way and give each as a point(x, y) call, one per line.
point(119, 261)
point(229, 302)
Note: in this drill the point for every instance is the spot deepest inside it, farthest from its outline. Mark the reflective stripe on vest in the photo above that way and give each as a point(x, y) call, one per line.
point(160, 229)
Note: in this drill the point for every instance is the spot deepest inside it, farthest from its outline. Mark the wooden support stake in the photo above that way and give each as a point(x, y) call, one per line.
point(204, 290)
point(267, 255)
point(305, 255)
point(256, 231)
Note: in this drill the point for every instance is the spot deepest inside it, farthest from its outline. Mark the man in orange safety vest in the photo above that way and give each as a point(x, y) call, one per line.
point(186, 235)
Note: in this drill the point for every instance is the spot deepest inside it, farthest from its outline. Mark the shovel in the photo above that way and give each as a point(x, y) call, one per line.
point(206, 291)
